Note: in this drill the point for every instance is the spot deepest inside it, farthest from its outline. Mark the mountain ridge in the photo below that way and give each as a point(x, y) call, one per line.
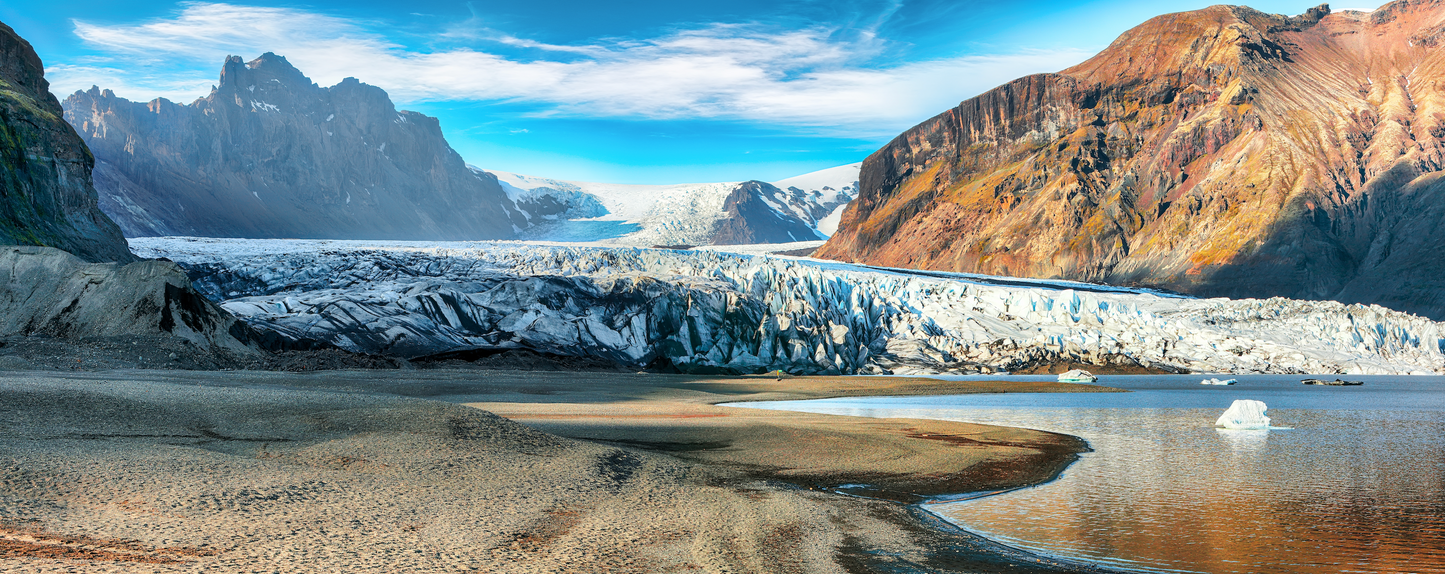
point(804, 207)
point(268, 153)
point(1219, 152)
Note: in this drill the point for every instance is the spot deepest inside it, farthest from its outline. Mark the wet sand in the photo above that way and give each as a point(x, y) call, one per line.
point(161, 471)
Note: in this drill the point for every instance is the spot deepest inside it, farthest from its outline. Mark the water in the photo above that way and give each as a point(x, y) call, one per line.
point(1357, 485)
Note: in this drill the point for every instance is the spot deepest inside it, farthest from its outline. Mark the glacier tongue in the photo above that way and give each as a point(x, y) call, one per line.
point(708, 311)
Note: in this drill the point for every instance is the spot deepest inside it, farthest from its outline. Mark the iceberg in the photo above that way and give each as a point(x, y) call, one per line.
point(1218, 382)
point(1244, 414)
point(1078, 376)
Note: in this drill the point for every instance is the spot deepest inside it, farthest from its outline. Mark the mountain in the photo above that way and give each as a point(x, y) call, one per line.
point(270, 154)
point(802, 208)
point(1219, 152)
point(46, 196)
point(66, 273)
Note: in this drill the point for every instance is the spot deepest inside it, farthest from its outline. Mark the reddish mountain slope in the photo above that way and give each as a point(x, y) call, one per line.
point(1217, 152)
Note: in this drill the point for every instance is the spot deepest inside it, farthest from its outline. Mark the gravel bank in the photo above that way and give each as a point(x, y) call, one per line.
point(165, 471)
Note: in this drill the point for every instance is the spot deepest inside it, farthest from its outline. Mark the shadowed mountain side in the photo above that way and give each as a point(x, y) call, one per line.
point(49, 293)
point(748, 219)
point(46, 197)
point(1220, 152)
point(270, 154)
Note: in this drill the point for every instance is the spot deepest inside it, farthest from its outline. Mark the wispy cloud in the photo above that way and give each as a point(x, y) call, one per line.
point(804, 78)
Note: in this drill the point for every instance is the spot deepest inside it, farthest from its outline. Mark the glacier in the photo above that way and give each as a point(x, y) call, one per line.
point(717, 311)
point(674, 214)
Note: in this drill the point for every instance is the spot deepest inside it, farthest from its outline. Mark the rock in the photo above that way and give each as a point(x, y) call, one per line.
point(50, 293)
point(46, 194)
point(1219, 152)
point(1334, 383)
point(270, 154)
point(14, 363)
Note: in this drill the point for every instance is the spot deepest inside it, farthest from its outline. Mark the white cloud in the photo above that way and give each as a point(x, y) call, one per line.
point(797, 78)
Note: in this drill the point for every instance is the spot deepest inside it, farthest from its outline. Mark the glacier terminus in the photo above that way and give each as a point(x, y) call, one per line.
point(709, 311)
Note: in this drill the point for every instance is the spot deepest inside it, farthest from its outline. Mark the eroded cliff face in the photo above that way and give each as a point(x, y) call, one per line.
point(1218, 152)
point(46, 196)
point(270, 154)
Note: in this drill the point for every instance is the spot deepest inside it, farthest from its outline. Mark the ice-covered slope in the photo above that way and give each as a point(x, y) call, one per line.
point(831, 188)
point(713, 311)
point(682, 214)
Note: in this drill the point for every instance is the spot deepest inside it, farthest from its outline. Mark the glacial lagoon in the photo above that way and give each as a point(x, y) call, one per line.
point(1357, 484)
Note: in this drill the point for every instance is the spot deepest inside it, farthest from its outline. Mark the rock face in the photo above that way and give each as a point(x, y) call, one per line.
point(51, 293)
point(270, 154)
point(705, 311)
point(1220, 152)
point(750, 218)
point(46, 197)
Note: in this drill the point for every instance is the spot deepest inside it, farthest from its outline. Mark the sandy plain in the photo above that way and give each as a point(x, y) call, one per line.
point(410, 471)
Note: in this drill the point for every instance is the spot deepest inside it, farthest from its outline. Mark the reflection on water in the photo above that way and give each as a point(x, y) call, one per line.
point(1244, 441)
point(1343, 491)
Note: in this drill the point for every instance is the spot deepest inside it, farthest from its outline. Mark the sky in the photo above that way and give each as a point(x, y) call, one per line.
point(649, 91)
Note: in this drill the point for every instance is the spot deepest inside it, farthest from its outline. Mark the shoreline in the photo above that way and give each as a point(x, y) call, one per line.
point(661, 480)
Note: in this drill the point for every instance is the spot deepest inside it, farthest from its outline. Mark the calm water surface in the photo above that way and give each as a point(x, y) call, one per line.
point(1357, 485)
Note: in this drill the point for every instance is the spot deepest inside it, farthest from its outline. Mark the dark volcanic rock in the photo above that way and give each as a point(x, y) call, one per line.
point(270, 154)
point(46, 197)
point(49, 293)
point(1220, 152)
point(751, 220)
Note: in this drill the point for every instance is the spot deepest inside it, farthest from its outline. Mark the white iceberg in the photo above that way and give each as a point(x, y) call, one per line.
point(1078, 376)
point(1244, 414)
point(1218, 382)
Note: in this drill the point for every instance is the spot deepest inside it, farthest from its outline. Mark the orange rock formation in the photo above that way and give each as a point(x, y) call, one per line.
point(1217, 152)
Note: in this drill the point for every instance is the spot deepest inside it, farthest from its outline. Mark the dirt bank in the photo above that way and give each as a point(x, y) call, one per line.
point(168, 471)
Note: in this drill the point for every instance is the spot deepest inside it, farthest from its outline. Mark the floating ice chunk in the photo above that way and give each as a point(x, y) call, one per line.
point(1244, 414)
point(1078, 376)
point(1218, 382)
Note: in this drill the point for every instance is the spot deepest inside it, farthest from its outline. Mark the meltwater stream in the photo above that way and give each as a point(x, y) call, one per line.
point(1356, 485)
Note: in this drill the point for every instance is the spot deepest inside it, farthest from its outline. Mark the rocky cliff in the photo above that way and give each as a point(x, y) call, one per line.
point(50, 293)
point(270, 154)
point(1217, 152)
point(46, 197)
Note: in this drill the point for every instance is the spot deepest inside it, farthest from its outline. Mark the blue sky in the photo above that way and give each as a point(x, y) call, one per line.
point(631, 92)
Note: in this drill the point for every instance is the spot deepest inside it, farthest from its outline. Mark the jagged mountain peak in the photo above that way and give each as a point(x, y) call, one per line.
point(270, 154)
point(269, 79)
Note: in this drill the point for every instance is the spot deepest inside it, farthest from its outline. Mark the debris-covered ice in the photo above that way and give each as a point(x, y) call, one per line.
point(700, 310)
